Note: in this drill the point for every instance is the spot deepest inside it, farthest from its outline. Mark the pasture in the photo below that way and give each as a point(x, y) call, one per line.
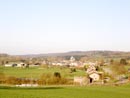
point(58, 91)
point(36, 72)
point(66, 92)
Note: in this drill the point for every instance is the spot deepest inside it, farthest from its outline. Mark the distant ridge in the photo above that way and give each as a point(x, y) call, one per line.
point(3, 55)
point(82, 53)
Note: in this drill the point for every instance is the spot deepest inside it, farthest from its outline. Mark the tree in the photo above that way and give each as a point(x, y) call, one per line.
point(111, 61)
point(123, 62)
point(57, 74)
point(118, 70)
point(102, 62)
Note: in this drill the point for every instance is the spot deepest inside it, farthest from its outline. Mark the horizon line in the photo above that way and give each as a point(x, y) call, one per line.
point(64, 52)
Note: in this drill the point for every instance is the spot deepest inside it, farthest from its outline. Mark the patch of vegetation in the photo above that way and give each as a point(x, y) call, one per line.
point(66, 92)
point(36, 72)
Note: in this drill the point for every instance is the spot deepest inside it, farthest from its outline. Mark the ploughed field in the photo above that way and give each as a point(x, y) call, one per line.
point(66, 92)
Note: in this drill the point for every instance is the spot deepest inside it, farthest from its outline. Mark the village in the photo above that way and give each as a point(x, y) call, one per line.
point(64, 49)
point(99, 73)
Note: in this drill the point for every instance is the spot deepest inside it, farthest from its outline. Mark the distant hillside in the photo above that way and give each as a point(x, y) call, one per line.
point(3, 55)
point(84, 53)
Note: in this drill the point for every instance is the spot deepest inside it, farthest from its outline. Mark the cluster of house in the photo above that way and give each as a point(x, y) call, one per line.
point(71, 63)
point(19, 64)
point(15, 64)
point(93, 76)
point(91, 71)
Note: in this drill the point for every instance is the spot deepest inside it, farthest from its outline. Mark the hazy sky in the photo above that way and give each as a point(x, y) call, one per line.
point(44, 26)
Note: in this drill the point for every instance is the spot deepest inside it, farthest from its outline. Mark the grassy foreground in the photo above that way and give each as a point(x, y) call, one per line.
point(66, 92)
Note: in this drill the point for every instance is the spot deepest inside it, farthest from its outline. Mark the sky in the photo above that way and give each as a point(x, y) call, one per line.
point(49, 26)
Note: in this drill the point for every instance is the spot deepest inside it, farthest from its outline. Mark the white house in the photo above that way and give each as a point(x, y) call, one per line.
point(74, 64)
point(72, 59)
point(8, 65)
point(91, 69)
point(95, 76)
point(21, 65)
point(15, 65)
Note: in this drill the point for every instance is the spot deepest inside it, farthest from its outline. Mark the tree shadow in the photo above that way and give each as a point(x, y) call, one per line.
point(31, 88)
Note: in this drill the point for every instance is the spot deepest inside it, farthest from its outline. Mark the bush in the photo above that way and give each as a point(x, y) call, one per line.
point(2, 78)
point(45, 79)
point(11, 80)
point(25, 80)
point(119, 69)
point(57, 75)
point(123, 62)
point(73, 70)
point(52, 79)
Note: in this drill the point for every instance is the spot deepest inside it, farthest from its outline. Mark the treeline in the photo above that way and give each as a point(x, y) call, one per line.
point(45, 79)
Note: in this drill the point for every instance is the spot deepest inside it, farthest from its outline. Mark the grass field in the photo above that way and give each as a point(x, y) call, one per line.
point(36, 72)
point(66, 92)
point(58, 91)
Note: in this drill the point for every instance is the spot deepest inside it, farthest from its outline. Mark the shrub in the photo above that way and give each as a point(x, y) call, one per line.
point(73, 70)
point(57, 75)
point(119, 69)
point(2, 78)
point(11, 80)
point(44, 79)
point(52, 79)
point(123, 62)
point(26, 80)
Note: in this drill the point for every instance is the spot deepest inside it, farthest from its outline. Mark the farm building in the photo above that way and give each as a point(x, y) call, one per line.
point(13, 64)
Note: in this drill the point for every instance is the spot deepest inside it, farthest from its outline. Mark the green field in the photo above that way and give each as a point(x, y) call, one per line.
point(58, 91)
point(66, 92)
point(36, 72)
